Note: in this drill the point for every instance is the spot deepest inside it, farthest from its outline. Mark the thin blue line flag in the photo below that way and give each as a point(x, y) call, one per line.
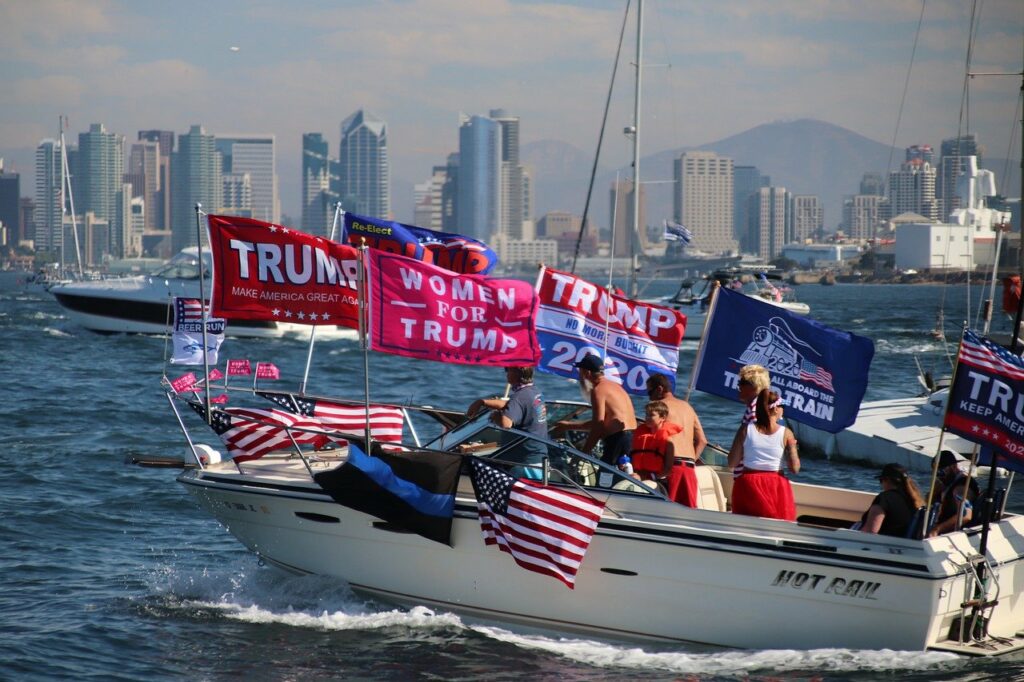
point(821, 372)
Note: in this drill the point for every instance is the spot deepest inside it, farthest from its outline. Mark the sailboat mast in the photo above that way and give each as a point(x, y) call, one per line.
point(635, 264)
point(63, 203)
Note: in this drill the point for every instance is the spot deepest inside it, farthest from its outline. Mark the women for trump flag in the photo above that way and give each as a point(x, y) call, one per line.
point(422, 311)
point(986, 400)
point(821, 373)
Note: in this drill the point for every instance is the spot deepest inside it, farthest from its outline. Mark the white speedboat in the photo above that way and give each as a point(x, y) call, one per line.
point(141, 304)
point(655, 570)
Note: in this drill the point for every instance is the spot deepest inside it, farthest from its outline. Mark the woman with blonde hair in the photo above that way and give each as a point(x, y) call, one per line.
point(762, 489)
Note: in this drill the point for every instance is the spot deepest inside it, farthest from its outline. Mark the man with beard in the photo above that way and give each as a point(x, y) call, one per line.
point(613, 417)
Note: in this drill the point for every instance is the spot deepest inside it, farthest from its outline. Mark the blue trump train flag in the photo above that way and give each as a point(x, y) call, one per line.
point(413, 490)
point(986, 400)
point(453, 252)
point(820, 372)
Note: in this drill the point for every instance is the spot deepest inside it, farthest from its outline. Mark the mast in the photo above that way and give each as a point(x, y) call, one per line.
point(635, 262)
point(65, 183)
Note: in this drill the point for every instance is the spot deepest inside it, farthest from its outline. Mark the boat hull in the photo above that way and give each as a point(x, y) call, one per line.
point(675, 575)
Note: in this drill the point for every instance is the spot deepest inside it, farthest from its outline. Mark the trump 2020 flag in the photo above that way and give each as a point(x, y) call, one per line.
point(422, 311)
point(821, 372)
point(445, 250)
point(413, 490)
point(187, 336)
point(986, 400)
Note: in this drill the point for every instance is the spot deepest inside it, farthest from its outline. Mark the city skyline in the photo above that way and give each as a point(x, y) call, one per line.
point(418, 64)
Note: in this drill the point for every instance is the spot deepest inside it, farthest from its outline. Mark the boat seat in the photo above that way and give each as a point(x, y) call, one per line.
point(709, 489)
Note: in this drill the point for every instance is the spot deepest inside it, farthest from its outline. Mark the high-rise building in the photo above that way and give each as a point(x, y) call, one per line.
point(954, 152)
point(237, 194)
point(745, 181)
point(319, 185)
point(512, 180)
point(769, 209)
point(27, 231)
point(161, 210)
point(195, 178)
point(364, 175)
point(808, 218)
point(872, 184)
point(49, 236)
point(254, 155)
point(862, 214)
point(99, 173)
point(703, 200)
point(912, 189)
point(626, 241)
point(428, 202)
point(144, 173)
point(920, 152)
point(449, 195)
point(10, 203)
point(478, 202)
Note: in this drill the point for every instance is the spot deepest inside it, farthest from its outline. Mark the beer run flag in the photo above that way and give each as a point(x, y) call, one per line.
point(449, 251)
point(187, 333)
point(385, 421)
point(264, 271)
point(820, 372)
point(986, 400)
point(413, 490)
point(546, 530)
point(577, 318)
point(251, 433)
point(419, 310)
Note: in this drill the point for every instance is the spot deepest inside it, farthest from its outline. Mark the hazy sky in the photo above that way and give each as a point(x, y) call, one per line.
point(713, 69)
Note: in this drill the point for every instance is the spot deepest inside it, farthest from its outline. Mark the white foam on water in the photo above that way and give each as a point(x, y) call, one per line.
point(730, 661)
point(55, 332)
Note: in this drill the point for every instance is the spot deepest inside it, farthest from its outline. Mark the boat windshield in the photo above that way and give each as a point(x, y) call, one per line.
point(184, 265)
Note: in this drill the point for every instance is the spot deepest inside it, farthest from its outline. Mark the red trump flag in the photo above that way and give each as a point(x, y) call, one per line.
point(270, 272)
point(422, 311)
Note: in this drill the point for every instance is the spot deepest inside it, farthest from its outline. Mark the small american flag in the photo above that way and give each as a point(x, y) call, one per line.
point(251, 433)
point(385, 421)
point(674, 232)
point(546, 530)
point(189, 310)
point(816, 374)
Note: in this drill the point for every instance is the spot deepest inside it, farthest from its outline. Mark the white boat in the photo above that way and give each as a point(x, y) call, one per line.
point(655, 570)
point(141, 304)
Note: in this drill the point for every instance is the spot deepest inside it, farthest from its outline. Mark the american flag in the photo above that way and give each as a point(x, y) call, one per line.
point(816, 374)
point(674, 232)
point(980, 352)
point(188, 310)
point(385, 422)
point(546, 530)
point(251, 433)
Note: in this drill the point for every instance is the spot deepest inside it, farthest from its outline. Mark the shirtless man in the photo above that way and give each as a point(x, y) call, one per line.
point(613, 418)
point(690, 443)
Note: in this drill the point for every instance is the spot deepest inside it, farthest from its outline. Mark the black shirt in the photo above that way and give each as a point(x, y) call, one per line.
point(899, 512)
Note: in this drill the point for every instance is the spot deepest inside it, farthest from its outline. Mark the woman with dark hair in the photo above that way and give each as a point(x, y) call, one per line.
point(762, 489)
point(892, 510)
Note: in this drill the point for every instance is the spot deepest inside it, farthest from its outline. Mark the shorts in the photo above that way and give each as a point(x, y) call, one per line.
point(616, 445)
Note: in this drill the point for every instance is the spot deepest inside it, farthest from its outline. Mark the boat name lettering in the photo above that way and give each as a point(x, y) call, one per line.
point(811, 582)
point(241, 506)
point(311, 263)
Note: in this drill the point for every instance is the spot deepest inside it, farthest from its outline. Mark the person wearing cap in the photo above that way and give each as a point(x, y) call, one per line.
point(762, 489)
point(612, 420)
point(953, 483)
point(893, 509)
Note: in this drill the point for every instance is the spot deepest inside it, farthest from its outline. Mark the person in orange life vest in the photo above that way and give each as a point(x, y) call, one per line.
point(762, 489)
point(688, 444)
point(652, 453)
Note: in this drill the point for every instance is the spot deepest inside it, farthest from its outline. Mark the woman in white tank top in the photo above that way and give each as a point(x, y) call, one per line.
point(762, 489)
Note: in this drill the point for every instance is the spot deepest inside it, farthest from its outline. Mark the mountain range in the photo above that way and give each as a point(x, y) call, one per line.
point(805, 156)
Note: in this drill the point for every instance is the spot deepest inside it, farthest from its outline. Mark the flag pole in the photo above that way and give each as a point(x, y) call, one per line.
point(363, 340)
point(202, 308)
point(312, 330)
point(700, 344)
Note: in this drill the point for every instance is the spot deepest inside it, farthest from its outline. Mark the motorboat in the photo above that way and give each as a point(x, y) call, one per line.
point(654, 571)
point(142, 304)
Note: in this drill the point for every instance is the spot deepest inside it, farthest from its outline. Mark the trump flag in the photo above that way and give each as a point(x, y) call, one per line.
point(270, 272)
point(422, 311)
point(443, 249)
point(821, 372)
point(986, 400)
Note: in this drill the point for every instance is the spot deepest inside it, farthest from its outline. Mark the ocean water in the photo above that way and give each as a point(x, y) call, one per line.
point(110, 572)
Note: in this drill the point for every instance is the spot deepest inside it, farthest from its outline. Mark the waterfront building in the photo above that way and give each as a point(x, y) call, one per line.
point(872, 184)
point(490, 178)
point(450, 195)
point(10, 204)
point(160, 212)
point(862, 215)
point(144, 173)
point(912, 187)
point(808, 218)
point(746, 180)
point(237, 195)
point(49, 233)
point(255, 156)
point(99, 182)
point(953, 153)
point(195, 178)
point(319, 185)
point(428, 211)
point(770, 214)
point(364, 175)
point(822, 255)
point(703, 200)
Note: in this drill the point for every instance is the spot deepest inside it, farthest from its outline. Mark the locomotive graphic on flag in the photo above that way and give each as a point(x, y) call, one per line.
point(775, 347)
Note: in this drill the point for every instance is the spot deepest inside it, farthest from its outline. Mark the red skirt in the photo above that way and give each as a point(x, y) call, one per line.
point(763, 493)
point(682, 484)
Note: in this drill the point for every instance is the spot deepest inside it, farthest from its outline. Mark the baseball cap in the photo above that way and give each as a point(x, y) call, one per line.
point(949, 457)
point(590, 362)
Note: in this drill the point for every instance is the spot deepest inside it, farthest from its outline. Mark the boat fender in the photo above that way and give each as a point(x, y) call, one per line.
point(207, 455)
